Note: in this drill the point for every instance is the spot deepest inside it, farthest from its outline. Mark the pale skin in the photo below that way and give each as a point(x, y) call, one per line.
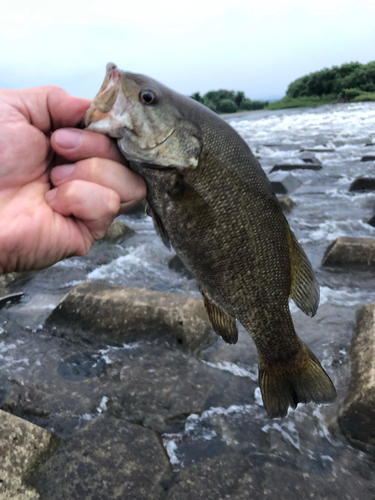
point(60, 187)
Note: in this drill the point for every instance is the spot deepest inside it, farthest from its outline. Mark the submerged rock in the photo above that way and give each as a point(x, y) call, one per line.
point(283, 183)
point(176, 264)
point(363, 184)
point(318, 150)
point(357, 417)
point(23, 446)
point(117, 232)
point(350, 252)
point(122, 314)
point(308, 162)
point(368, 158)
point(286, 203)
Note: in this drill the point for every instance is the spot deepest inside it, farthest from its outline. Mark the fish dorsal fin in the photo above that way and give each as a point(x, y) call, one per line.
point(159, 227)
point(223, 323)
point(304, 288)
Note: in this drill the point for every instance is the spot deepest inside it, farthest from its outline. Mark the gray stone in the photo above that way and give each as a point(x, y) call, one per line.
point(108, 459)
point(117, 232)
point(286, 203)
point(283, 183)
point(23, 447)
point(122, 314)
point(357, 417)
point(363, 184)
point(176, 264)
point(368, 158)
point(350, 252)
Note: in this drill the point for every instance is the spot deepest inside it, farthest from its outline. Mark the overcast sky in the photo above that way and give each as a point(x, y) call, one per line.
point(199, 45)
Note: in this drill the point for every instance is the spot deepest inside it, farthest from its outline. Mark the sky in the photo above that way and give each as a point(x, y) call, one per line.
point(255, 46)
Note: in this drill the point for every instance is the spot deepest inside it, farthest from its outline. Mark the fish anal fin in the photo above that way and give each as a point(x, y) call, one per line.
point(304, 288)
point(159, 226)
point(300, 381)
point(223, 323)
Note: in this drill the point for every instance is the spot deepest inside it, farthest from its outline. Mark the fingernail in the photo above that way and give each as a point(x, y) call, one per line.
point(62, 171)
point(68, 138)
point(51, 194)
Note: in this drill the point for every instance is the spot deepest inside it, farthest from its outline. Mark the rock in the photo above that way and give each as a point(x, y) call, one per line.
point(23, 447)
point(107, 459)
point(286, 203)
point(348, 252)
point(310, 190)
point(370, 144)
point(176, 264)
point(371, 221)
point(363, 184)
point(318, 150)
point(12, 298)
point(117, 232)
point(368, 158)
point(309, 162)
point(8, 281)
point(122, 314)
point(357, 416)
point(283, 183)
point(138, 210)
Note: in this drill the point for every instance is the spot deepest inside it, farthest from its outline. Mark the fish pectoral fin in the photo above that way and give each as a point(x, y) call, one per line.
point(300, 381)
point(159, 226)
point(304, 288)
point(223, 323)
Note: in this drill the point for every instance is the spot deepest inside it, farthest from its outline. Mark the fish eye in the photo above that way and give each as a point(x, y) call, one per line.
point(148, 96)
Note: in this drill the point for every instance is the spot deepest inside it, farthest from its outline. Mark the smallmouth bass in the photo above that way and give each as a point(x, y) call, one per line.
point(210, 199)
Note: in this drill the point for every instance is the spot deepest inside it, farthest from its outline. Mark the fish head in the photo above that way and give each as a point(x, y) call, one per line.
point(145, 118)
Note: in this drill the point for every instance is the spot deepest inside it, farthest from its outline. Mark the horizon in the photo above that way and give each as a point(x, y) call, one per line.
point(257, 49)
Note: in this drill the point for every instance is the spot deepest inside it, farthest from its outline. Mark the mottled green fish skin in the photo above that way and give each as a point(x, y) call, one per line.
point(226, 224)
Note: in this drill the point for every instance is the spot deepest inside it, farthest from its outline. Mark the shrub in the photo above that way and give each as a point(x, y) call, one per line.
point(227, 106)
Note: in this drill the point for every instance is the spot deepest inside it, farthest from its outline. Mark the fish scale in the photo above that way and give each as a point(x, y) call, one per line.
point(211, 200)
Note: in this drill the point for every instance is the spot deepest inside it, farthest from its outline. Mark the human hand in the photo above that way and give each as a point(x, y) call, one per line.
point(38, 225)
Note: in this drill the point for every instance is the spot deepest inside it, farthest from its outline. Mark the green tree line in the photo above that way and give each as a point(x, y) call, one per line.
point(228, 101)
point(343, 82)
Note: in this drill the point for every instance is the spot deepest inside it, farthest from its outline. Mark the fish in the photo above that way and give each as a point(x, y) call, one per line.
point(212, 202)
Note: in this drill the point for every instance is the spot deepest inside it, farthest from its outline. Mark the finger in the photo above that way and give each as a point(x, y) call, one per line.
point(50, 107)
point(75, 144)
point(96, 206)
point(130, 187)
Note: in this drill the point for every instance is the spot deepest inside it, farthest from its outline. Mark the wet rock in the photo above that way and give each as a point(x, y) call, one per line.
point(9, 281)
point(176, 264)
point(363, 184)
point(370, 144)
point(138, 210)
point(283, 183)
point(117, 232)
point(308, 162)
point(12, 298)
point(286, 203)
point(122, 314)
point(357, 417)
point(318, 150)
point(311, 190)
point(371, 221)
point(107, 459)
point(23, 446)
point(368, 158)
point(350, 252)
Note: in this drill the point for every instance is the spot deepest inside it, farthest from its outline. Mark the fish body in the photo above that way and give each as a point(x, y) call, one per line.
point(212, 202)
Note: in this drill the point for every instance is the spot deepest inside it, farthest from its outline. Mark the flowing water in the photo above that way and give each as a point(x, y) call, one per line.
point(325, 209)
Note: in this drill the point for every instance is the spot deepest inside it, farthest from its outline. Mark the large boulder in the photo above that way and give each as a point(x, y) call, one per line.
point(350, 252)
point(357, 417)
point(363, 184)
point(107, 459)
point(283, 183)
point(120, 314)
point(23, 447)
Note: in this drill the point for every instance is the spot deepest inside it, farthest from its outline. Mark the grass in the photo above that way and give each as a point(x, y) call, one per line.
point(366, 96)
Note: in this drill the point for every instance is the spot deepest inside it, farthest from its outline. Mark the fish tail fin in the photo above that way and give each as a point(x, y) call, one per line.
point(300, 381)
